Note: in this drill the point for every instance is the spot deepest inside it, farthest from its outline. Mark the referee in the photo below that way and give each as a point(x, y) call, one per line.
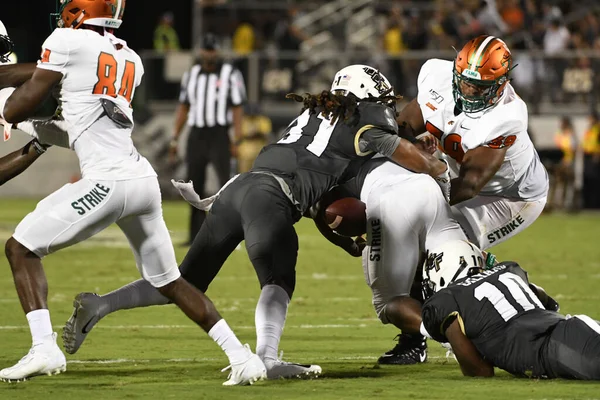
point(211, 99)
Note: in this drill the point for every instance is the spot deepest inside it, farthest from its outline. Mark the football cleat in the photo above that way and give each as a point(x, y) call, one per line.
point(278, 369)
point(85, 315)
point(44, 358)
point(247, 372)
point(411, 349)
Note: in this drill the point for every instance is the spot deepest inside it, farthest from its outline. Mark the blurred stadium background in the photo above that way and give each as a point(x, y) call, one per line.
point(282, 46)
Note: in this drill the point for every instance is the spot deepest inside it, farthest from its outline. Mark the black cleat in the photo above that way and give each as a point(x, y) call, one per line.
point(411, 349)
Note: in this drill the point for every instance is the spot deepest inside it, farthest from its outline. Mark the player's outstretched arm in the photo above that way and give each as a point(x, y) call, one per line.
point(25, 100)
point(18, 161)
point(478, 167)
point(14, 75)
point(471, 362)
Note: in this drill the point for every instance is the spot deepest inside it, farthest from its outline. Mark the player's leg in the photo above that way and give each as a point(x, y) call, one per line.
point(197, 157)
point(220, 155)
point(573, 351)
point(396, 241)
point(218, 237)
point(70, 215)
point(150, 241)
point(272, 244)
point(490, 220)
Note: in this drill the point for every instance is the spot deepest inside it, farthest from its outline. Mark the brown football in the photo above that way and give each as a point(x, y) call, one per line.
point(347, 217)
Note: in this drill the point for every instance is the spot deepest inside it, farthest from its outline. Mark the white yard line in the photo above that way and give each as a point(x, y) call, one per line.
point(189, 360)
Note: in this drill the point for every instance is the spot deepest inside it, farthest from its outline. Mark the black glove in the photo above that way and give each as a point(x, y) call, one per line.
point(355, 247)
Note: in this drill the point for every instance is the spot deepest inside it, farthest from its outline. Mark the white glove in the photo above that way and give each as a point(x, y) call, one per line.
point(444, 181)
point(186, 190)
point(449, 351)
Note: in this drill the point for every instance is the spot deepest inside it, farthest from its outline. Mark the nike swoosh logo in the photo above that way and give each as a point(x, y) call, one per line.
point(85, 330)
point(465, 128)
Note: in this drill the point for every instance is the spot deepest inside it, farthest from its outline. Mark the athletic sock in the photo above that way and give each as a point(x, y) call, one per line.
point(269, 318)
point(136, 294)
point(222, 334)
point(39, 325)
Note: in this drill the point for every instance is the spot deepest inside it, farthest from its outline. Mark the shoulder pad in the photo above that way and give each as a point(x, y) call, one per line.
point(378, 115)
point(516, 269)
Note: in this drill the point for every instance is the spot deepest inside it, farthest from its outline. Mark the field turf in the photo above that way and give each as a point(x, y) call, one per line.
point(156, 353)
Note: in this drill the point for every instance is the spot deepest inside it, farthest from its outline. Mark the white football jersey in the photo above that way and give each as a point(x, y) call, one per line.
point(96, 67)
point(522, 174)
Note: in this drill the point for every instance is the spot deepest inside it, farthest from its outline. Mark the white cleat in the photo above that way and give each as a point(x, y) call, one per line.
point(247, 372)
point(43, 359)
point(278, 369)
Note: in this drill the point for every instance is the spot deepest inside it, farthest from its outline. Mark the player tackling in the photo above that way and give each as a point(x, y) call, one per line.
point(499, 184)
point(93, 76)
point(337, 131)
point(496, 318)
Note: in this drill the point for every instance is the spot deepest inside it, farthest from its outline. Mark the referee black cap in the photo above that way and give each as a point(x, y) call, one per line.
point(210, 42)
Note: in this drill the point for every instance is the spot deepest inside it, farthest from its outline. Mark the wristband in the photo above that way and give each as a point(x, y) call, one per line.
point(39, 148)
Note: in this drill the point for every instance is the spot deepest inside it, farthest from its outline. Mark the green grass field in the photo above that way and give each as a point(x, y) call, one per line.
point(157, 353)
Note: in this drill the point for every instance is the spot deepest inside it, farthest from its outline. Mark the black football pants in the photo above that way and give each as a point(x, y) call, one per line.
point(252, 208)
point(204, 146)
point(573, 350)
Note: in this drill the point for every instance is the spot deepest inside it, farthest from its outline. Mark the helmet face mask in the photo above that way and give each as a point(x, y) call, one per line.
point(483, 94)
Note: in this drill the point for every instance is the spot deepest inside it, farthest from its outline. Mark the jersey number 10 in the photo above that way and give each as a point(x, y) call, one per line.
point(517, 288)
point(107, 77)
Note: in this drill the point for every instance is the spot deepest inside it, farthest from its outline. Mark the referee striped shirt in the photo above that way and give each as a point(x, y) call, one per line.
point(210, 95)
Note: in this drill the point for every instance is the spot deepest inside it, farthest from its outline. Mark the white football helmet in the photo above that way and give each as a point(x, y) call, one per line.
point(362, 81)
point(6, 47)
point(450, 262)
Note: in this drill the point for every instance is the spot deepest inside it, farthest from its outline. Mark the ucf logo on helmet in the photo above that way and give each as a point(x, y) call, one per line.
point(380, 84)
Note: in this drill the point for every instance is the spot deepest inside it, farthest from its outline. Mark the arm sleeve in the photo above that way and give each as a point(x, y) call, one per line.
point(378, 141)
point(56, 52)
point(237, 87)
point(438, 313)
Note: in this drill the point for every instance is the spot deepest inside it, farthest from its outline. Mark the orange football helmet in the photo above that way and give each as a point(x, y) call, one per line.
point(481, 72)
point(104, 13)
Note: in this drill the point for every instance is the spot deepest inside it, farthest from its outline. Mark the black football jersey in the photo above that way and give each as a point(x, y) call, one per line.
point(499, 313)
point(313, 155)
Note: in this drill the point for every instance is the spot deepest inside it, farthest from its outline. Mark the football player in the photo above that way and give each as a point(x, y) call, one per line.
point(406, 214)
point(470, 109)
point(336, 131)
point(93, 76)
point(496, 318)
